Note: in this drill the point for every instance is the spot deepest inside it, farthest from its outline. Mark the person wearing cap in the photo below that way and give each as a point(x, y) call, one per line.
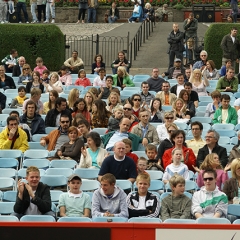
point(109, 200)
point(176, 48)
point(33, 197)
point(175, 70)
point(74, 203)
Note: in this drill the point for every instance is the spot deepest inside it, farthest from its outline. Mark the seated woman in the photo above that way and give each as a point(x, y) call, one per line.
point(80, 106)
point(212, 107)
point(82, 79)
point(26, 75)
point(199, 85)
point(71, 149)
point(184, 95)
point(157, 114)
point(231, 186)
point(73, 97)
point(181, 113)
point(178, 138)
point(113, 13)
point(76, 119)
point(136, 101)
point(114, 102)
point(122, 79)
point(223, 70)
point(211, 161)
point(6, 82)
point(235, 152)
point(89, 98)
point(93, 156)
point(18, 101)
point(35, 83)
point(120, 61)
point(149, 13)
point(210, 72)
point(53, 95)
point(65, 76)
point(100, 115)
point(137, 13)
point(98, 64)
point(54, 83)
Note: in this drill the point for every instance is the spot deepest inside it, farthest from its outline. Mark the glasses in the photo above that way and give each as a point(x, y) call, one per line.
point(208, 178)
point(169, 118)
point(25, 68)
point(171, 131)
point(127, 109)
point(203, 55)
point(209, 137)
point(64, 121)
point(137, 99)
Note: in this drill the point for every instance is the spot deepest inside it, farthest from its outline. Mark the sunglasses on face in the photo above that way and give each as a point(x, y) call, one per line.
point(25, 68)
point(127, 109)
point(208, 178)
point(169, 118)
point(136, 99)
point(64, 121)
point(203, 55)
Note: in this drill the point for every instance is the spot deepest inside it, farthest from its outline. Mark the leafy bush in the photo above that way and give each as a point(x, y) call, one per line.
point(213, 38)
point(32, 41)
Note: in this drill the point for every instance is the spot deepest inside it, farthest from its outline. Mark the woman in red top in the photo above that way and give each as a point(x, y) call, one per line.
point(136, 104)
point(82, 79)
point(178, 138)
point(80, 106)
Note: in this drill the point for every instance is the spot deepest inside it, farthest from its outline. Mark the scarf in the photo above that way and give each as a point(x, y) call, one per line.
point(20, 99)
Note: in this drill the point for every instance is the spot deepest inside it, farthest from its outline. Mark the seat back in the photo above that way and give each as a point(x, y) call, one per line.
point(9, 163)
point(9, 196)
point(40, 163)
point(89, 185)
point(179, 221)
point(6, 208)
point(63, 164)
point(74, 219)
point(54, 180)
point(86, 173)
point(37, 218)
point(213, 221)
point(107, 219)
point(59, 171)
point(145, 220)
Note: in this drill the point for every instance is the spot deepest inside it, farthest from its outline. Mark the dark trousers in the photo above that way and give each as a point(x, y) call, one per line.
point(172, 55)
point(41, 9)
point(22, 5)
point(81, 13)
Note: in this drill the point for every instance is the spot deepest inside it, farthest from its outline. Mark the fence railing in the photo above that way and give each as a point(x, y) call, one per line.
point(108, 46)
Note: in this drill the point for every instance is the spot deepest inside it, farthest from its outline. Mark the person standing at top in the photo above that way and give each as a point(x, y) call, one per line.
point(176, 48)
point(234, 6)
point(92, 10)
point(230, 46)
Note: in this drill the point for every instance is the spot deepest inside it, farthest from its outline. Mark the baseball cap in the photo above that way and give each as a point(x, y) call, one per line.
point(177, 60)
point(74, 176)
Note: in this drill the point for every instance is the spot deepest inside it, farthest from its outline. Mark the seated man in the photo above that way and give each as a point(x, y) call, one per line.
point(120, 61)
point(33, 198)
point(176, 205)
point(202, 63)
point(33, 119)
point(146, 96)
point(74, 203)
point(193, 94)
point(13, 137)
point(145, 130)
point(215, 104)
point(84, 129)
point(176, 89)
point(104, 92)
point(109, 200)
point(143, 203)
point(17, 69)
point(10, 61)
point(74, 63)
point(176, 69)
point(121, 166)
point(225, 113)
point(155, 82)
point(111, 138)
point(165, 96)
point(209, 201)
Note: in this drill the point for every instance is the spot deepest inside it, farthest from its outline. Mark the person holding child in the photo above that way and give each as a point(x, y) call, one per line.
point(143, 203)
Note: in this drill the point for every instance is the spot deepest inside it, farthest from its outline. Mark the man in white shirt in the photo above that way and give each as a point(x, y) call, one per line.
point(74, 63)
point(176, 89)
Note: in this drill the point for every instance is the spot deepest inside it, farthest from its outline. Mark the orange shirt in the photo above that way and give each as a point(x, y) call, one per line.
point(167, 99)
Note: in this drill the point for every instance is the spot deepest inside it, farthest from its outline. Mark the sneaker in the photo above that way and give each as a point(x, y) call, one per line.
point(46, 21)
point(53, 21)
point(2, 22)
point(27, 21)
point(19, 22)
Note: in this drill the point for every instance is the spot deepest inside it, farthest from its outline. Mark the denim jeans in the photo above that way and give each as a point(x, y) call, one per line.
point(50, 8)
point(234, 7)
point(92, 13)
point(22, 5)
point(33, 9)
point(112, 19)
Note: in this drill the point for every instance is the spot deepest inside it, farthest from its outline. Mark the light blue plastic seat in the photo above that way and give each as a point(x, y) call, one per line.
point(9, 196)
point(100, 131)
point(226, 133)
point(202, 119)
point(8, 219)
point(144, 220)
point(179, 221)
point(141, 154)
point(124, 184)
point(224, 140)
point(63, 164)
point(37, 218)
point(155, 175)
point(39, 163)
point(213, 221)
point(74, 219)
point(37, 137)
point(54, 180)
point(109, 219)
point(89, 185)
point(35, 145)
point(8, 172)
point(6, 208)
point(222, 126)
point(86, 173)
point(55, 194)
point(49, 129)
point(59, 171)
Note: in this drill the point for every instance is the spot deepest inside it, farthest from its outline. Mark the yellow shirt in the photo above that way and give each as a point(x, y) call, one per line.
point(195, 145)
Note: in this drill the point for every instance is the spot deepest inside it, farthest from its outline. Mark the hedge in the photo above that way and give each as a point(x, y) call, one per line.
point(32, 41)
point(213, 38)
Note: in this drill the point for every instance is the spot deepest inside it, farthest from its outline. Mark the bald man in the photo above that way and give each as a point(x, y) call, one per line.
point(121, 166)
point(17, 69)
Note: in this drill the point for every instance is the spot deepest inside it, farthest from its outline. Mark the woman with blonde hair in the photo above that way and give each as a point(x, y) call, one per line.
point(53, 95)
point(181, 113)
point(114, 101)
point(185, 96)
point(89, 98)
point(210, 72)
point(122, 79)
point(148, 12)
point(198, 85)
point(231, 186)
point(26, 74)
point(73, 97)
point(211, 161)
point(54, 83)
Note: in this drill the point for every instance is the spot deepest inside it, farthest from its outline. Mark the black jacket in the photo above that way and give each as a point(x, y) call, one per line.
point(9, 82)
point(151, 203)
point(16, 71)
point(220, 151)
point(176, 41)
point(50, 120)
point(164, 145)
point(37, 126)
point(29, 85)
point(42, 200)
point(115, 14)
point(169, 73)
point(3, 100)
point(94, 65)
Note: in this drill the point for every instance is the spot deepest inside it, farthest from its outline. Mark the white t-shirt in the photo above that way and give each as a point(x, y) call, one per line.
point(32, 209)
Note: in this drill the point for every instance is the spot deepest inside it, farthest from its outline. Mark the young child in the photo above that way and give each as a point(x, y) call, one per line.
point(45, 76)
point(114, 120)
point(151, 151)
point(177, 204)
point(82, 79)
point(176, 166)
point(143, 203)
point(128, 148)
point(142, 165)
point(17, 102)
point(74, 203)
point(54, 83)
point(40, 67)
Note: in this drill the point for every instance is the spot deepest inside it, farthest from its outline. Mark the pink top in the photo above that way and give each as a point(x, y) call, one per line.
point(221, 178)
point(66, 79)
point(83, 82)
point(40, 70)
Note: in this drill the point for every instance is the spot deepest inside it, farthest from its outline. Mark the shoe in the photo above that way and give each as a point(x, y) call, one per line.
point(2, 22)
point(46, 21)
point(27, 21)
point(133, 21)
point(20, 22)
point(53, 21)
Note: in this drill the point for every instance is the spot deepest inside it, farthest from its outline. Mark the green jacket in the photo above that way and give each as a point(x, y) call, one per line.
point(232, 116)
point(133, 137)
point(223, 83)
point(126, 80)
